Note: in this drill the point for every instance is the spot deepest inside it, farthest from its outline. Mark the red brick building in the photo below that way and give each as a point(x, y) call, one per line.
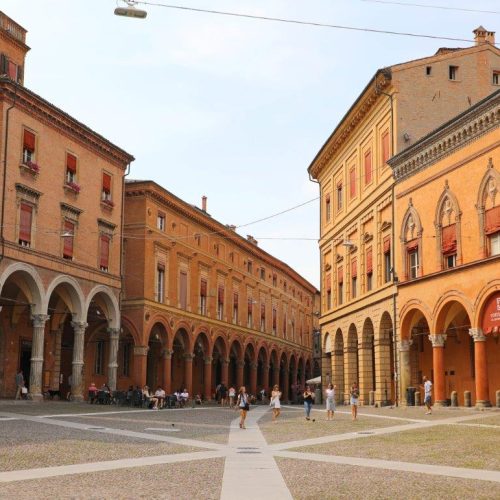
point(61, 214)
point(203, 305)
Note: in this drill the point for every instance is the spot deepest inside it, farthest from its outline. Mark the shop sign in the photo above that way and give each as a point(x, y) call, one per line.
point(491, 315)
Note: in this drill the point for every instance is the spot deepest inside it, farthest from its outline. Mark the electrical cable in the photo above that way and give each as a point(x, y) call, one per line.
point(301, 22)
point(441, 7)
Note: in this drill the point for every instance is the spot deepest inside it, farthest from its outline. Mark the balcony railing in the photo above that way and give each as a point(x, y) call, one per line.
point(7, 24)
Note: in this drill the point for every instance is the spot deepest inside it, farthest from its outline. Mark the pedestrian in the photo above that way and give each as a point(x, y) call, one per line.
point(243, 405)
point(330, 401)
point(427, 395)
point(217, 393)
point(308, 401)
point(354, 393)
point(70, 383)
point(232, 395)
point(19, 384)
point(223, 394)
point(275, 403)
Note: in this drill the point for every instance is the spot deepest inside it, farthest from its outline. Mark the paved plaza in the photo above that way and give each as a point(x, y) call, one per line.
point(68, 450)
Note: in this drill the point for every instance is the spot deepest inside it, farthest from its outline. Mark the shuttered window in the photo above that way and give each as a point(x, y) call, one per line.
point(68, 239)
point(104, 259)
point(26, 218)
point(183, 289)
point(368, 167)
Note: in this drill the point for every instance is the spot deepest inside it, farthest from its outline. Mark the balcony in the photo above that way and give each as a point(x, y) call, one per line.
point(30, 167)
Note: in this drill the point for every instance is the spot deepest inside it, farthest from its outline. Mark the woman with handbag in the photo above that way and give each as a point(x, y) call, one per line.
point(243, 405)
point(308, 401)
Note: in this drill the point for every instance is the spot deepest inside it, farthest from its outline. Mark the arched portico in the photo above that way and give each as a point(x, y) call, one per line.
point(338, 366)
point(202, 366)
point(182, 362)
point(366, 356)
point(385, 390)
point(351, 370)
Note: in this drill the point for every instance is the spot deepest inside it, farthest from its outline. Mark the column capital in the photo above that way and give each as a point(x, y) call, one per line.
point(225, 361)
point(266, 367)
point(240, 363)
point(253, 366)
point(208, 360)
point(189, 357)
point(79, 326)
point(113, 332)
point(167, 353)
point(39, 320)
point(477, 334)
point(405, 344)
point(141, 350)
point(438, 340)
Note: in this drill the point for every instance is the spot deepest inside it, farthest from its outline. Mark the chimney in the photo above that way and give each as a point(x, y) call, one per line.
point(251, 239)
point(482, 35)
point(204, 203)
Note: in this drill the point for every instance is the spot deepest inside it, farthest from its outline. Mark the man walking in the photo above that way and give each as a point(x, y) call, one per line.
point(19, 384)
point(427, 394)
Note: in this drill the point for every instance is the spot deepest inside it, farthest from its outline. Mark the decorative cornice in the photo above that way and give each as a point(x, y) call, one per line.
point(27, 191)
point(442, 142)
point(70, 211)
point(102, 223)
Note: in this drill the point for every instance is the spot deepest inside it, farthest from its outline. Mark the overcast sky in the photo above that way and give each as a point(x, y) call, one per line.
point(234, 109)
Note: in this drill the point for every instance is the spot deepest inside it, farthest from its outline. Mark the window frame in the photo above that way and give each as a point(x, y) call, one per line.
point(413, 265)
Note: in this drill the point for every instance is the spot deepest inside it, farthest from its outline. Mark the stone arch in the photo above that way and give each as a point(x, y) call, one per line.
point(482, 298)
point(351, 363)
point(201, 354)
point(132, 329)
point(283, 374)
point(107, 301)
point(411, 237)
point(366, 359)
point(385, 373)
point(181, 361)
point(30, 284)
point(262, 367)
point(338, 365)
point(410, 313)
point(71, 294)
point(448, 307)
point(236, 364)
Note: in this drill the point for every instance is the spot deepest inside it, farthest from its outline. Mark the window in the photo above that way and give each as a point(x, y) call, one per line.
point(12, 70)
point(249, 266)
point(386, 150)
point(25, 223)
point(262, 316)
point(340, 285)
point(450, 261)
point(68, 239)
point(183, 289)
point(235, 308)
point(453, 72)
point(203, 296)
point(340, 196)
point(160, 221)
point(29, 142)
point(99, 358)
point(369, 268)
point(275, 280)
point(104, 255)
point(354, 277)
point(352, 182)
point(492, 228)
point(275, 320)
point(368, 167)
point(284, 324)
point(494, 241)
point(70, 168)
point(249, 312)
point(160, 283)
point(127, 350)
point(106, 187)
point(428, 70)
point(220, 303)
point(412, 259)
point(387, 259)
point(449, 245)
point(328, 288)
point(328, 208)
point(9, 67)
point(496, 78)
point(262, 274)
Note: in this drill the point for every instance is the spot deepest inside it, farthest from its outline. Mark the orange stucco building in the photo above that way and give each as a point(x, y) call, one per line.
point(448, 252)
point(60, 249)
point(203, 305)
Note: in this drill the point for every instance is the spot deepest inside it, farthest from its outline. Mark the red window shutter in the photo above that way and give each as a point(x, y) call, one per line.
point(369, 260)
point(69, 228)
point(104, 261)
point(221, 295)
point(71, 162)
point(368, 167)
point(412, 245)
point(12, 70)
point(263, 311)
point(385, 147)
point(25, 222)
point(275, 314)
point(354, 268)
point(449, 239)
point(29, 140)
point(328, 282)
point(106, 183)
point(387, 244)
point(492, 223)
point(250, 305)
point(235, 300)
point(340, 274)
point(183, 289)
point(352, 182)
point(203, 288)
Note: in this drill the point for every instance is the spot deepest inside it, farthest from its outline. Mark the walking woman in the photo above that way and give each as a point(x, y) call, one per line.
point(232, 395)
point(354, 400)
point(330, 401)
point(275, 402)
point(308, 401)
point(243, 405)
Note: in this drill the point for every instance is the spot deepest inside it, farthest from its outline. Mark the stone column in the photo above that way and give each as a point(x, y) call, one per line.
point(351, 370)
point(276, 375)
point(404, 355)
point(253, 379)
point(240, 365)
point(225, 371)
point(114, 338)
point(56, 372)
point(208, 378)
point(140, 364)
point(438, 341)
point(37, 356)
point(167, 370)
point(480, 367)
point(188, 373)
point(265, 378)
point(303, 377)
point(77, 381)
point(338, 374)
point(383, 371)
point(365, 370)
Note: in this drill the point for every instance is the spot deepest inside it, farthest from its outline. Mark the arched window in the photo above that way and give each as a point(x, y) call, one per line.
point(488, 207)
point(411, 244)
point(448, 230)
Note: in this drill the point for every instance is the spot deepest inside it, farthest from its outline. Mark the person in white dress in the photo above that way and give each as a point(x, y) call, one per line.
point(330, 401)
point(275, 402)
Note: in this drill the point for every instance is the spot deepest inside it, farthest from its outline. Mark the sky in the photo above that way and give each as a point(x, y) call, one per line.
point(231, 108)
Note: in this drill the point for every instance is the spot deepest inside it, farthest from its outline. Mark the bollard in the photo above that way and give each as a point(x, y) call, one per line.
point(467, 399)
point(417, 398)
point(454, 399)
point(498, 398)
point(371, 398)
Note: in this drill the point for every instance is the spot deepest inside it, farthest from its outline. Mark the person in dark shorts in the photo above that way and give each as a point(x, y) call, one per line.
point(223, 394)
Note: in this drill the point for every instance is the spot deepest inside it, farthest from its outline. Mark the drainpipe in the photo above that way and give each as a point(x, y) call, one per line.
point(122, 227)
point(4, 180)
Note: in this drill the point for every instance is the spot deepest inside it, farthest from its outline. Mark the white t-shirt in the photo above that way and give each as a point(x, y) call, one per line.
point(330, 393)
point(185, 395)
point(160, 393)
point(232, 393)
point(428, 388)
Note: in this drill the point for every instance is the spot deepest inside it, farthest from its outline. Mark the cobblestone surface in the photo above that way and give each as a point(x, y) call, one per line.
point(313, 481)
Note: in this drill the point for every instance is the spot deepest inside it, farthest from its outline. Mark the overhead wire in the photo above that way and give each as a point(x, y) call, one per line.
point(427, 6)
point(301, 22)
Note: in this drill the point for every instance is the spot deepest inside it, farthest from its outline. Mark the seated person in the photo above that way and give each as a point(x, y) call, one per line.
point(129, 395)
point(197, 399)
point(92, 393)
point(184, 397)
point(160, 394)
point(150, 400)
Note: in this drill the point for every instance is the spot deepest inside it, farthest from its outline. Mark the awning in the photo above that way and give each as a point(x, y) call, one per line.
point(315, 380)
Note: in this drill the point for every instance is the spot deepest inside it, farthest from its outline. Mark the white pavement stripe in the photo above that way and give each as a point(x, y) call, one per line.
point(64, 470)
point(250, 466)
point(436, 470)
